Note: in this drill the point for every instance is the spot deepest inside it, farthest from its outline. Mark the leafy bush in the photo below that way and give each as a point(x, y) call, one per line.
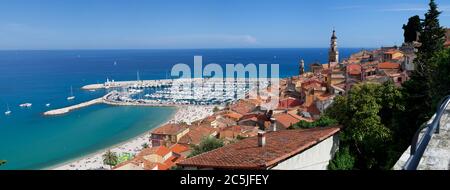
point(207, 144)
point(343, 160)
point(322, 122)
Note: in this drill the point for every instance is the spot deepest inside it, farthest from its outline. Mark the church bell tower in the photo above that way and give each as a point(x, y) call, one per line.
point(333, 54)
point(301, 67)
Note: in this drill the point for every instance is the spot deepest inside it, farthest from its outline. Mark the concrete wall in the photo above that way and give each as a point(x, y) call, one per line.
point(408, 62)
point(315, 158)
point(323, 105)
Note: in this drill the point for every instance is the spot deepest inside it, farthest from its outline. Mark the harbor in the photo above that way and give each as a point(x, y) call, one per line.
point(121, 84)
point(170, 93)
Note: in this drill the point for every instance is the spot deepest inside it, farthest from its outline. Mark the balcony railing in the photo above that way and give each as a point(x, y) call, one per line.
point(418, 146)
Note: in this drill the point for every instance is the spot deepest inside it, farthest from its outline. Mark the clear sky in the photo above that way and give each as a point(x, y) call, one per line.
point(140, 24)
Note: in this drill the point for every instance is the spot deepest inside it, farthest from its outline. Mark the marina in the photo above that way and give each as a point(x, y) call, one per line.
point(170, 93)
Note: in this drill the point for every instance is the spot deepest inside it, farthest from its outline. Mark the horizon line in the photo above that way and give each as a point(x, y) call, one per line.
point(88, 49)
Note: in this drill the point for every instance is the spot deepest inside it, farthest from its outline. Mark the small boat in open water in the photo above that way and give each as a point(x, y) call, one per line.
point(71, 97)
point(47, 105)
point(26, 105)
point(7, 112)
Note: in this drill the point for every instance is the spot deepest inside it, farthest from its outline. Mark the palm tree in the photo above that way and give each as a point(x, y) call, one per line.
point(110, 158)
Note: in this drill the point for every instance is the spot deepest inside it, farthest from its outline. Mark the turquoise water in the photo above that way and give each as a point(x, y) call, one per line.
point(49, 141)
point(28, 140)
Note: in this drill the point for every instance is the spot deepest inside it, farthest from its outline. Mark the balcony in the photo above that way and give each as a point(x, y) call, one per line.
point(431, 145)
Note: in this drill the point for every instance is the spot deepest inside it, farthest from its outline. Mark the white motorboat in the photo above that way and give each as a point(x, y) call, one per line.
point(71, 97)
point(7, 112)
point(47, 105)
point(25, 105)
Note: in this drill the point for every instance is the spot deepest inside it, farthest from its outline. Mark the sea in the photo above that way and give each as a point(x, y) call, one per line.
point(29, 140)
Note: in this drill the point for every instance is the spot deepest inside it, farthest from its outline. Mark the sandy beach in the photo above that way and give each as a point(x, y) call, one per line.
point(94, 161)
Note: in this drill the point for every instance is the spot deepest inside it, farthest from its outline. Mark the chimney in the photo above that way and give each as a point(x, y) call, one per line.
point(274, 124)
point(261, 138)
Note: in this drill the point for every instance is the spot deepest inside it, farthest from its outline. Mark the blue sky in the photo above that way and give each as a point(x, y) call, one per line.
point(141, 24)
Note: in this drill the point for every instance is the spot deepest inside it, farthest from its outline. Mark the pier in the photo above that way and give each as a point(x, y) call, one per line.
point(74, 107)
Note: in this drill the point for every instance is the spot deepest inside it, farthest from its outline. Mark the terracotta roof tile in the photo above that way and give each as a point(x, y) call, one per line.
point(195, 135)
point(388, 65)
point(354, 69)
point(246, 154)
point(178, 148)
point(159, 150)
point(169, 129)
point(286, 120)
point(233, 115)
point(243, 107)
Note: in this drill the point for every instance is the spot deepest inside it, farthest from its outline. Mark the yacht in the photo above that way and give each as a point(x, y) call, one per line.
point(7, 112)
point(25, 105)
point(71, 97)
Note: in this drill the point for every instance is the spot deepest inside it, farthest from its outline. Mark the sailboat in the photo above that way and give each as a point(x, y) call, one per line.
point(71, 97)
point(7, 112)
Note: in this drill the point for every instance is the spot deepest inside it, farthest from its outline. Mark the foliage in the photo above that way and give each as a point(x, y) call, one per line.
point(432, 35)
point(441, 76)
point(145, 145)
point(124, 157)
point(110, 158)
point(420, 91)
point(176, 167)
point(207, 144)
point(216, 109)
point(367, 112)
point(2, 162)
point(343, 160)
point(380, 120)
point(322, 122)
point(411, 29)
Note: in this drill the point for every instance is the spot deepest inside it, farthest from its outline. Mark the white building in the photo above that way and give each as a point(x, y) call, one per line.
point(303, 149)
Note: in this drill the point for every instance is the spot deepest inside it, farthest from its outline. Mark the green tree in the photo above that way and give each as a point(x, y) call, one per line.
point(412, 29)
point(418, 91)
point(145, 145)
point(2, 162)
point(207, 144)
point(343, 160)
point(216, 109)
point(110, 158)
point(441, 77)
point(432, 35)
point(368, 136)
